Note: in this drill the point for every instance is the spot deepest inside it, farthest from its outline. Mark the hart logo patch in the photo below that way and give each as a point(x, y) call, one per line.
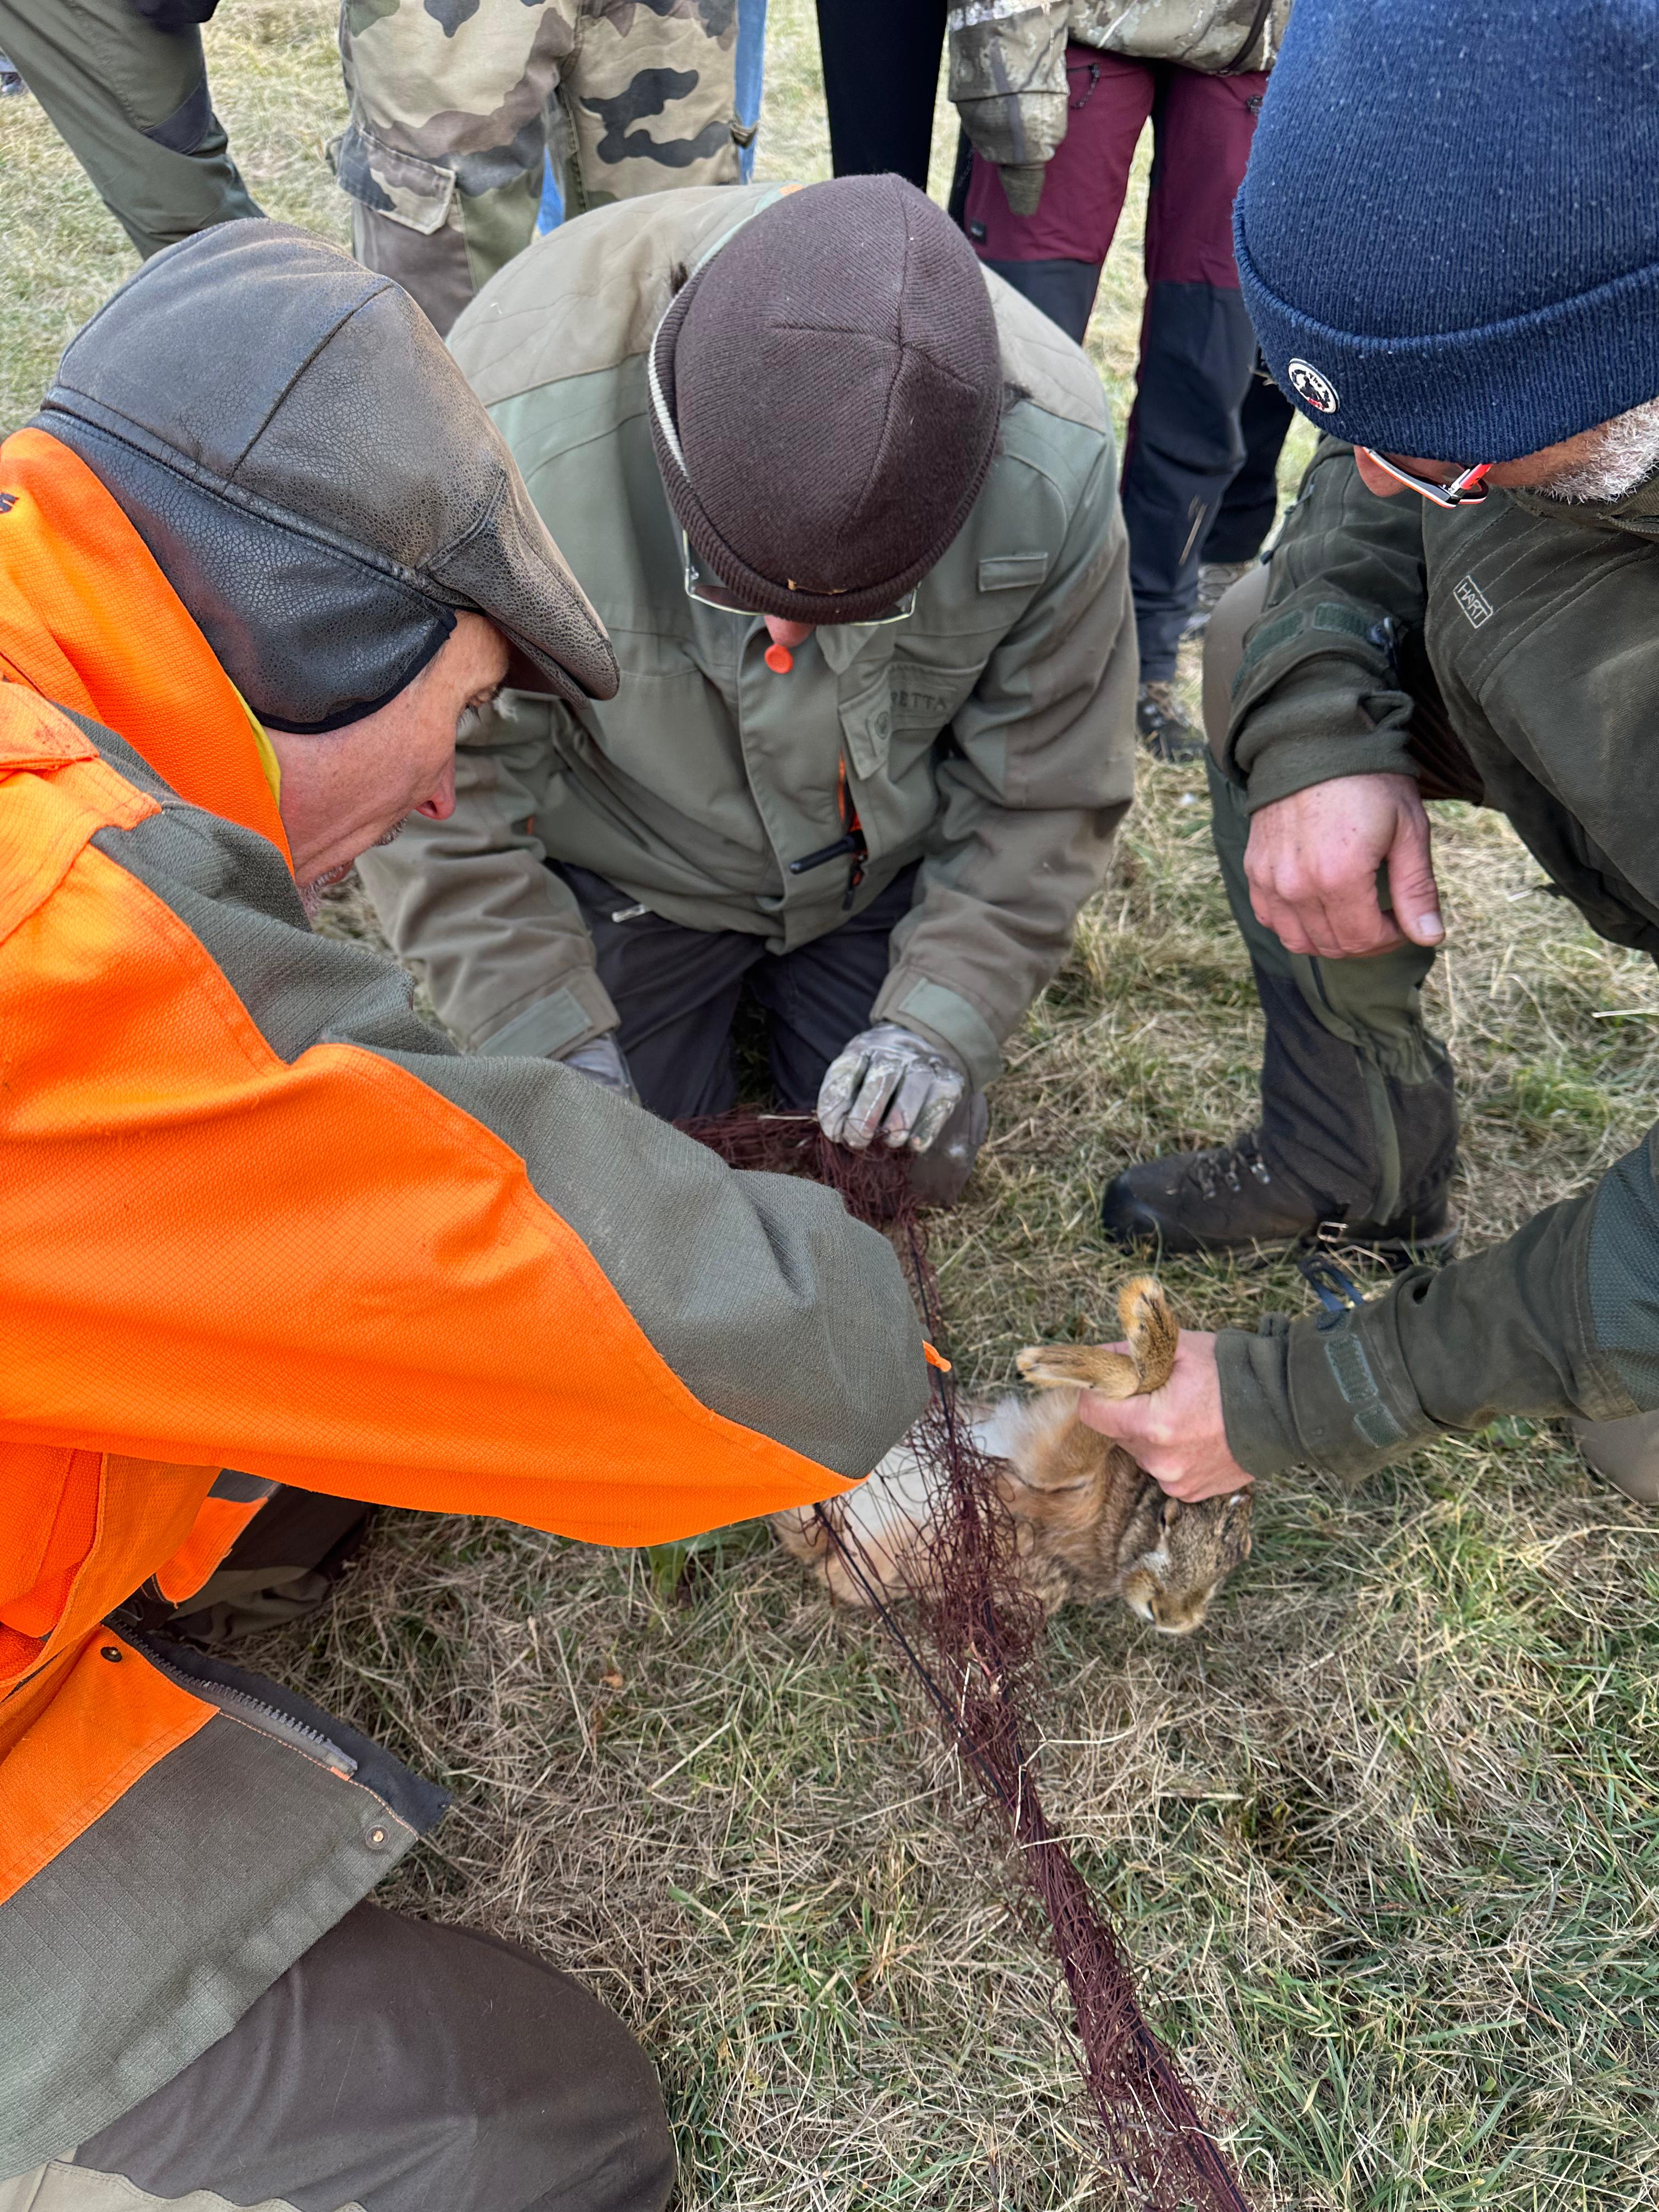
point(1313, 387)
point(1474, 601)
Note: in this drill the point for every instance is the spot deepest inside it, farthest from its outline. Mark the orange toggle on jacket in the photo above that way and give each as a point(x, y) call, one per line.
point(256, 1216)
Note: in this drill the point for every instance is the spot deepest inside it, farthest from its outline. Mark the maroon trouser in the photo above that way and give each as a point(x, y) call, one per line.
point(1183, 446)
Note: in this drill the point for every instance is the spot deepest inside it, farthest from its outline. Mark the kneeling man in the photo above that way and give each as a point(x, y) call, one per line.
point(846, 505)
point(262, 1231)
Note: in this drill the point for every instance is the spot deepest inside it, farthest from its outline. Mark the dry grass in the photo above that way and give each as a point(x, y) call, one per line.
point(1383, 1836)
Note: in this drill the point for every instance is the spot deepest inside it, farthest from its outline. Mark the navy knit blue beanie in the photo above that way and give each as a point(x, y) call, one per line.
point(1447, 236)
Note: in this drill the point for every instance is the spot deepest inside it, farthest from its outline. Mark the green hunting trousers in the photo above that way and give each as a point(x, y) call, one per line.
point(456, 103)
point(1357, 1096)
point(133, 104)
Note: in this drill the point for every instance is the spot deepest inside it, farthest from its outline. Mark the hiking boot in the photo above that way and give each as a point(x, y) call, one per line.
point(12, 86)
point(1227, 1199)
point(1214, 577)
point(1165, 730)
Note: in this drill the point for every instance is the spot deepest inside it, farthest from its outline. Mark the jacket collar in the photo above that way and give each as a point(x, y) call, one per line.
point(1638, 513)
point(88, 622)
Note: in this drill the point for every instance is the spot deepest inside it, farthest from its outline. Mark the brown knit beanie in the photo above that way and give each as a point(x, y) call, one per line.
point(826, 394)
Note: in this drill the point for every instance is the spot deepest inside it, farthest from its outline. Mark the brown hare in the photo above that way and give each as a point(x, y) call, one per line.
point(1089, 1523)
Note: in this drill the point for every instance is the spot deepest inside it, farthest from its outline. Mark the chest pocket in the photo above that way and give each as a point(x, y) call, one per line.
point(907, 697)
point(867, 727)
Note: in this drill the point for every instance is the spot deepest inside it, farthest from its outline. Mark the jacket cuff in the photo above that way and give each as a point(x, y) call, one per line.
point(1352, 1397)
point(1331, 1390)
point(556, 1023)
point(1255, 1395)
point(1292, 764)
point(1323, 717)
point(948, 1021)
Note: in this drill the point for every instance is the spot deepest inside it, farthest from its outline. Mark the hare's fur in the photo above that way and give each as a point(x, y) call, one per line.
point(1088, 1524)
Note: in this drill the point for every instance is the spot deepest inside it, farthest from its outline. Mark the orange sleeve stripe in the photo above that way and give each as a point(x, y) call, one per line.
point(323, 1273)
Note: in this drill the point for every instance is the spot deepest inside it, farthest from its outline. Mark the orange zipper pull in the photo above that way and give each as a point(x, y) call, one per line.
point(935, 1358)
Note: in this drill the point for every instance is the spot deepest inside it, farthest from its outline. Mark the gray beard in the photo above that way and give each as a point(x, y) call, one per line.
point(1625, 455)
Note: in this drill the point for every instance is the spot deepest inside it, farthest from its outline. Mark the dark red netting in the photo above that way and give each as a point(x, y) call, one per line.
point(972, 1634)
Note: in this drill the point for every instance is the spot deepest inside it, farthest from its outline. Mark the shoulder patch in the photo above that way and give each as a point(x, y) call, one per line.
point(1473, 600)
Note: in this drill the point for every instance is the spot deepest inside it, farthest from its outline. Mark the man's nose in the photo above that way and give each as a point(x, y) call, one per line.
point(441, 805)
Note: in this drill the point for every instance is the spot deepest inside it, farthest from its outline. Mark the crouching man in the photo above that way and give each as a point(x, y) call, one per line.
point(259, 552)
point(1461, 605)
point(846, 505)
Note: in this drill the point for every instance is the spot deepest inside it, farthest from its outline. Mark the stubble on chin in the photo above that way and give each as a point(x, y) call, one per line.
point(312, 894)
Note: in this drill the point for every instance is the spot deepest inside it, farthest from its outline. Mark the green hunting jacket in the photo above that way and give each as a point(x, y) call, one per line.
point(990, 736)
point(1007, 61)
point(1540, 624)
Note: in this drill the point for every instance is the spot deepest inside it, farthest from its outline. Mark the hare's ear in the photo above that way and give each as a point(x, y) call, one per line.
point(1169, 1514)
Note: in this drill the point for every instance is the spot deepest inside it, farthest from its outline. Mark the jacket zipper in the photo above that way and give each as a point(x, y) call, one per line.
point(260, 1714)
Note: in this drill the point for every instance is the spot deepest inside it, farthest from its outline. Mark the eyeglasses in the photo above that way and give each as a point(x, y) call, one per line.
point(700, 585)
point(1467, 488)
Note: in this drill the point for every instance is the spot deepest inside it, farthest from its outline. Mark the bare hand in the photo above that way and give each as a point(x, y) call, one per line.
point(1177, 1433)
point(1312, 861)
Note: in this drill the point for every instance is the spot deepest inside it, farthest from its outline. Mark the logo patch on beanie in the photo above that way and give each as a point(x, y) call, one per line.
point(1318, 391)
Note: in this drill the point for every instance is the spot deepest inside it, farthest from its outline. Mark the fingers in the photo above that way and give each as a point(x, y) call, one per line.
point(1312, 860)
point(1308, 925)
point(883, 1072)
point(909, 1105)
point(887, 1080)
point(1411, 885)
point(926, 1099)
point(1184, 1464)
point(1177, 1433)
point(836, 1092)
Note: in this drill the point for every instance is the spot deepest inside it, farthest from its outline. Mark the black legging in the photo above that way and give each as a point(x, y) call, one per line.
point(880, 75)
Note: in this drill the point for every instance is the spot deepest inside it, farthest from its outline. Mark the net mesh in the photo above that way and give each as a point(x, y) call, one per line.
point(971, 1631)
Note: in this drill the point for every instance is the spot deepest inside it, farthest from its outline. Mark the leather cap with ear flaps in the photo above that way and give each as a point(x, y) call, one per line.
point(314, 477)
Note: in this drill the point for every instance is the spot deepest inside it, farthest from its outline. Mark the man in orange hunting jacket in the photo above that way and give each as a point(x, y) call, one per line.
point(259, 1225)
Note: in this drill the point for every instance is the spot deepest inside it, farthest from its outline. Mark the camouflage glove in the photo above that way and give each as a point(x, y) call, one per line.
point(1023, 185)
point(601, 1060)
point(887, 1078)
point(175, 15)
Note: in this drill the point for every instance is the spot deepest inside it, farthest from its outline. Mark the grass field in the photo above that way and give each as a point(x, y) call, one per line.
point(1383, 1836)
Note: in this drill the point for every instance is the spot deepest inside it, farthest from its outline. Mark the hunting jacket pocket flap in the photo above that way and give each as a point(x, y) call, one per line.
point(1008, 571)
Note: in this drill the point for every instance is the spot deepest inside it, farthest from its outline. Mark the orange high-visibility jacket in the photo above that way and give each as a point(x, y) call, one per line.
point(255, 1215)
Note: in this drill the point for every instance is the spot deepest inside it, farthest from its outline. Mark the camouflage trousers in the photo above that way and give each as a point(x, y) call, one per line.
point(456, 103)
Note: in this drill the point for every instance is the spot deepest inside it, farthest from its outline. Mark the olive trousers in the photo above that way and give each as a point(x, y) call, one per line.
point(1356, 1092)
point(133, 104)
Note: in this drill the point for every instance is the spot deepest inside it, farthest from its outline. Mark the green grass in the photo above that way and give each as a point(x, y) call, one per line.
point(1384, 1837)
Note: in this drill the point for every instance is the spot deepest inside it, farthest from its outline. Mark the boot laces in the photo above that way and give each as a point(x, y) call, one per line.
point(1229, 1164)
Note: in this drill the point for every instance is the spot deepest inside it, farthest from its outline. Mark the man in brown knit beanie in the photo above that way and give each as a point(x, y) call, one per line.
point(844, 503)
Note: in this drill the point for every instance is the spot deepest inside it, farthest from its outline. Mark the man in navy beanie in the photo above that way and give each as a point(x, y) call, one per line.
point(1448, 240)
